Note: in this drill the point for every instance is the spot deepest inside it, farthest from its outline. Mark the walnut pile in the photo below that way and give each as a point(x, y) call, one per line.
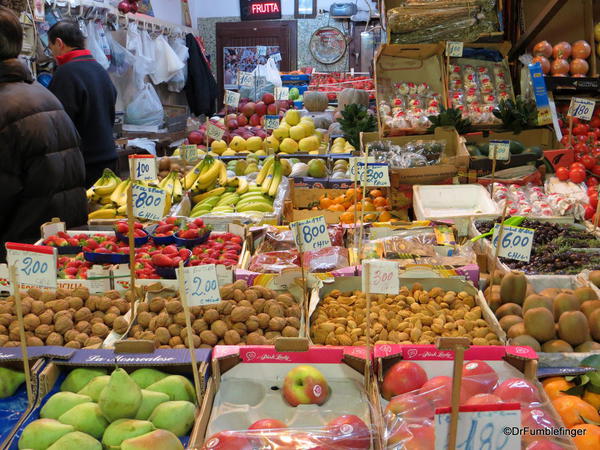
point(414, 316)
point(251, 315)
point(68, 317)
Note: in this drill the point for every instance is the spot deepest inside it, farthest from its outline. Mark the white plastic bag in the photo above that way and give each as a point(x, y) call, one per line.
point(145, 109)
point(167, 62)
point(121, 59)
point(95, 46)
point(149, 51)
point(177, 82)
point(269, 72)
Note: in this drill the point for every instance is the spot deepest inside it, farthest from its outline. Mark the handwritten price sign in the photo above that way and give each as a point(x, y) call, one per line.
point(501, 149)
point(282, 93)
point(311, 234)
point(381, 277)
point(355, 159)
point(493, 427)
point(36, 264)
point(189, 152)
point(245, 79)
point(378, 174)
point(454, 49)
point(148, 202)
point(581, 108)
point(201, 285)
point(276, 57)
point(214, 132)
point(232, 99)
point(144, 167)
point(271, 122)
point(516, 242)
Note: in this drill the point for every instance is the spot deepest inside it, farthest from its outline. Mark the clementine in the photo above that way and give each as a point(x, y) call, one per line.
point(380, 201)
point(556, 386)
point(368, 206)
point(592, 398)
point(590, 440)
point(385, 216)
point(325, 202)
point(376, 193)
point(572, 410)
point(347, 217)
point(336, 207)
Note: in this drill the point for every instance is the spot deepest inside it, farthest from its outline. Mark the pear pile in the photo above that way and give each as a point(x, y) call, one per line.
point(147, 409)
point(10, 380)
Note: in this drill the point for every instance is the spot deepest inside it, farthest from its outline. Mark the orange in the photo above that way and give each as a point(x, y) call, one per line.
point(380, 201)
point(325, 202)
point(338, 208)
point(347, 204)
point(385, 216)
point(370, 218)
point(376, 193)
point(347, 217)
point(556, 386)
point(590, 440)
point(350, 193)
point(592, 398)
point(339, 200)
point(550, 380)
point(368, 206)
point(571, 409)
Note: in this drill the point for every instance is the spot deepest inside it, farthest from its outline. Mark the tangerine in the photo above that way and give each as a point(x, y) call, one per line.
point(347, 217)
point(370, 218)
point(325, 202)
point(385, 216)
point(376, 193)
point(572, 410)
point(555, 387)
point(380, 201)
point(336, 208)
point(368, 206)
point(590, 439)
point(351, 192)
point(592, 398)
point(339, 200)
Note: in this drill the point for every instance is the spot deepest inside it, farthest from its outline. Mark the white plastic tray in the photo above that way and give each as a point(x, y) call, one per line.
point(452, 201)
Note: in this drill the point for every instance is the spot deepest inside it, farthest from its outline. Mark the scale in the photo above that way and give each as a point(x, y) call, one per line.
point(328, 45)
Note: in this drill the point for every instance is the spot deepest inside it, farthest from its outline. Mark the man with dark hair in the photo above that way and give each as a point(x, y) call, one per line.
point(42, 173)
point(88, 95)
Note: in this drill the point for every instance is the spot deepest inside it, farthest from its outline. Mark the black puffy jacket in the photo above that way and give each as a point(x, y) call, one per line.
point(42, 174)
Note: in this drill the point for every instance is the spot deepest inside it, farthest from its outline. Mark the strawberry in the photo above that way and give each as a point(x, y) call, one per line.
point(170, 250)
point(73, 242)
point(199, 223)
point(138, 233)
point(183, 253)
point(162, 260)
point(122, 227)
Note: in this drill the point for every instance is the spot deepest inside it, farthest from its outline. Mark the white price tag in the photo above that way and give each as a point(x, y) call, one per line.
point(189, 152)
point(501, 149)
point(262, 50)
point(493, 427)
point(201, 285)
point(381, 277)
point(311, 234)
point(581, 108)
point(271, 122)
point(232, 99)
point(36, 264)
point(516, 242)
point(148, 202)
point(354, 159)
point(276, 57)
point(378, 174)
point(245, 79)
point(454, 49)
point(144, 167)
point(214, 132)
point(282, 93)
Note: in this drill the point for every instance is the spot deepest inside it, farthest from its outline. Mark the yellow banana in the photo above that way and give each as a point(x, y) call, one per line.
point(177, 189)
point(277, 172)
point(122, 210)
point(215, 192)
point(192, 175)
point(222, 173)
point(266, 184)
point(212, 173)
point(265, 170)
point(233, 182)
point(110, 184)
point(122, 198)
point(119, 190)
point(242, 186)
point(103, 214)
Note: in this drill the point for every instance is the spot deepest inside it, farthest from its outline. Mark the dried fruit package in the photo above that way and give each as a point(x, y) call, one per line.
point(276, 239)
point(274, 262)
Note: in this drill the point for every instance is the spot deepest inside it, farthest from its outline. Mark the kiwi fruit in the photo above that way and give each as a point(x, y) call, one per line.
point(573, 327)
point(556, 346)
point(539, 323)
point(527, 340)
point(509, 309)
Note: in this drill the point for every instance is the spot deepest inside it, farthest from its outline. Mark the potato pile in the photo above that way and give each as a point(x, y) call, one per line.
point(72, 318)
point(414, 316)
point(247, 315)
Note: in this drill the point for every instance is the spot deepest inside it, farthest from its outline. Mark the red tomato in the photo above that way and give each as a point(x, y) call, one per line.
point(577, 165)
point(580, 129)
point(594, 199)
point(565, 140)
point(580, 147)
point(588, 161)
point(562, 173)
point(577, 175)
point(596, 170)
point(592, 183)
point(589, 212)
point(595, 122)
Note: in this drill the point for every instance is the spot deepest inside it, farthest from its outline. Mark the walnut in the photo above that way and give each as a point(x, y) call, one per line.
point(174, 306)
point(83, 314)
point(147, 336)
point(163, 335)
point(200, 325)
point(195, 339)
point(271, 335)
point(263, 320)
point(96, 320)
point(208, 337)
point(90, 303)
point(259, 304)
point(103, 303)
point(47, 317)
point(274, 310)
point(113, 295)
point(293, 322)
point(31, 322)
point(109, 319)
point(179, 319)
point(120, 325)
point(100, 330)
point(163, 320)
point(81, 292)
point(5, 319)
point(238, 295)
point(294, 311)
point(252, 323)
point(241, 313)
point(92, 341)
point(36, 293)
point(152, 325)
point(59, 305)
point(3, 340)
point(71, 335)
point(144, 318)
point(211, 315)
point(25, 306)
point(43, 331)
point(73, 344)
point(175, 340)
point(63, 324)
point(121, 305)
point(232, 337)
point(64, 293)
point(175, 329)
point(290, 332)
point(33, 341)
point(277, 324)
point(54, 339)
point(83, 327)
point(255, 339)
point(285, 299)
point(82, 338)
point(6, 308)
point(65, 314)
point(240, 328)
point(143, 307)
point(98, 314)
point(157, 304)
point(74, 302)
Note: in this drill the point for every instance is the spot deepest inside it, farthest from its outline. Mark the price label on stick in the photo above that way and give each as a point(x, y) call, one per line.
point(144, 167)
point(232, 99)
point(454, 49)
point(201, 285)
point(189, 152)
point(311, 234)
point(581, 108)
point(148, 202)
point(516, 242)
point(214, 132)
point(276, 57)
point(36, 264)
point(245, 79)
point(501, 149)
point(382, 277)
point(354, 159)
point(378, 174)
point(493, 427)
point(271, 122)
point(282, 93)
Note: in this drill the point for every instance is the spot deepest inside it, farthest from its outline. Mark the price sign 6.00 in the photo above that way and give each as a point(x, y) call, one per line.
point(516, 242)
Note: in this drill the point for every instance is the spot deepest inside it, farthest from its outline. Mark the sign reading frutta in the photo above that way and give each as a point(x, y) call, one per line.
point(260, 9)
point(144, 167)
point(36, 264)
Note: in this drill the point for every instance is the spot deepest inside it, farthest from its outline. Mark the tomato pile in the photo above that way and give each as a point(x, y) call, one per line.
point(334, 82)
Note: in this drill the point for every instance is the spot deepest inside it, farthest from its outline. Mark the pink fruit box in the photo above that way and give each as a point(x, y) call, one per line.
point(247, 385)
point(414, 381)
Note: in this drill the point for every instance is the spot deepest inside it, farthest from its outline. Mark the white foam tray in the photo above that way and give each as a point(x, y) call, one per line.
point(452, 201)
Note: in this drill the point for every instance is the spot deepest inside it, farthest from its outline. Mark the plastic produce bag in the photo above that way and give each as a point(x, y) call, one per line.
point(177, 82)
point(266, 79)
point(122, 60)
point(148, 51)
point(94, 45)
point(167, 62)
point(146, 108)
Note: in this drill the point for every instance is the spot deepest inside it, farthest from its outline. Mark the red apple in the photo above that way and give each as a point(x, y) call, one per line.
point(412, 436)
point(438, 390)
point(254, 120)
point(249, 109)
point(227, 440)
point(260, 109)
point(409, 406)
point(232, 124)
point(268, 98)
point(272, 109)
point(230, 117)
point(479, 377)
point(402, 377)
point(262, 134)
point(195, 137)
point(517, 390)
point(267, 424)
point(483, 399)
point(305, 385)
point(242, 120)
point(348, 432)
point(535, 419)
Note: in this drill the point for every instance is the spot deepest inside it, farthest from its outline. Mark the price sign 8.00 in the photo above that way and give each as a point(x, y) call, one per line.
point(311, 234)
point(148, 202)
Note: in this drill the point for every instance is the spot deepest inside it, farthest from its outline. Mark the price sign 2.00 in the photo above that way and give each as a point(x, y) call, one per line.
point(201, 285)
point(516, 242)
point(36, 264)
point(311, 234)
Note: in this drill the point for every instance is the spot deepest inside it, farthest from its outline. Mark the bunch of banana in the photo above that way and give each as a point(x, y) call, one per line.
point(270, 175)
point(102, 189)
point(206, 175)
point(173, 186)
point(245, 198)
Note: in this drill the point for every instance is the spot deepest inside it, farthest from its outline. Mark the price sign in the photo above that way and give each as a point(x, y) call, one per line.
point(501, 149)
point(232, 98)
point(311, 234)
point(282, 93)
point(581, 108)
point(148, 202)
point(201, 285)
point(262, 50)
point(382, 277)
point(493, 427)
point(354, 159)
point(144, 167)
point(214, 132)
point(516, 242)
point(245, 79)
point(454, 49)
point(36, 264)
point(189, 152)
point(271, 122)
point(276, 57)
point(378, 174)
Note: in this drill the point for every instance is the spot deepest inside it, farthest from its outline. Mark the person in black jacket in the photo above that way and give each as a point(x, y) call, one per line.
point(42, 173)
point(88, 95)
point(201, 87)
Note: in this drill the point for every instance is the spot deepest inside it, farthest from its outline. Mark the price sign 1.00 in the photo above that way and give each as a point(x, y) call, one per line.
point(144, 167)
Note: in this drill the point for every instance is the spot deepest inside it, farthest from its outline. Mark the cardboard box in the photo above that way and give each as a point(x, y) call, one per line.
point(536, 137)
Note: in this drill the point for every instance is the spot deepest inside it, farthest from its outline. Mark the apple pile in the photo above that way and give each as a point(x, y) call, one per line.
point(128, 6)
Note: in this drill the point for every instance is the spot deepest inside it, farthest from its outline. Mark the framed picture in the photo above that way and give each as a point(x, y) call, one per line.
point(305, 9)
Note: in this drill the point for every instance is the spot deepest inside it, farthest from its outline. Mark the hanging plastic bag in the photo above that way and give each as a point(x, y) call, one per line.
point(145, 109)
point(266, 79)
point(149, 51)
point(95, 47)
point(167, 62)
point(102, 39)
point(122, 60)
point(177, 82)
point(269, 72)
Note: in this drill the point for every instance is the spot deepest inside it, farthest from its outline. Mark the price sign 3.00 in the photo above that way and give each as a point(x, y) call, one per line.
point(381, 277)
point(36, 264)
point(516, 242)
point(311, 234)
point(378, 174)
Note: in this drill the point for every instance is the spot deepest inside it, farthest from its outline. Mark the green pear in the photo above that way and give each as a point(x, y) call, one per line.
point(86, 418)
point(60, 403)
point(95, 386)
point(78, 378)
point(121, 398)
point(10, 380)
point(76, 441)
point(176, 387)
point(145, 377)
point(150, 400)
point(123, 429)
point(42, 433)
point(163, 439)
point(177, 417)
